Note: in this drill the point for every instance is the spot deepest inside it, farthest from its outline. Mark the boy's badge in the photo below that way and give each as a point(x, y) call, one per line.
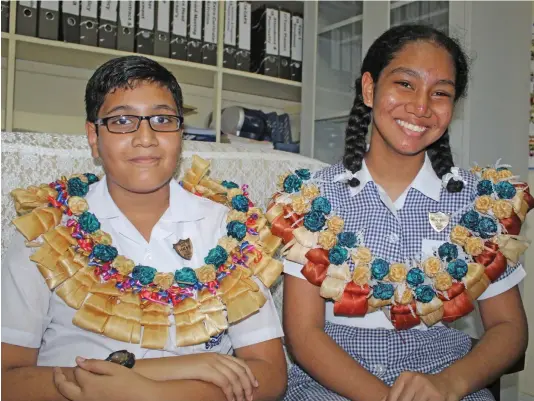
point(184, 248)
point(438, 220)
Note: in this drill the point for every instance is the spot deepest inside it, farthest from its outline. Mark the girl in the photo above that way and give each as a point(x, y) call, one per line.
point(402, 196)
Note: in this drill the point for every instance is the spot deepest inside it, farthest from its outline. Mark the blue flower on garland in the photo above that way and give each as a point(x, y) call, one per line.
point(457, 269)
point(424, 294)
point(484, 187)
point(383, 291)
point(185, 277)
point(240, 203)
point(292, 183)
point(505, 190)
point(88, 222)
point(229, 184)
point(470, 220)
point(303, 173)
point(314, 221)
point(105, 253)
point(144, 274)
point(236, 229)
point(448, 251)
point(321, 204)
point(76, 187)
point(379, 269)
point(92, 178)
point(487, 228)
point(347, 239)
point(337, 255)
point(415, 277)
point(216, 256)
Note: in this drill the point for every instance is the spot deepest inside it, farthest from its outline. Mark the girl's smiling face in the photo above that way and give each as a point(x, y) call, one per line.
point(413, 101)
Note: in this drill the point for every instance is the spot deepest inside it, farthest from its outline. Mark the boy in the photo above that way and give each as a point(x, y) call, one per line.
point(134, 125)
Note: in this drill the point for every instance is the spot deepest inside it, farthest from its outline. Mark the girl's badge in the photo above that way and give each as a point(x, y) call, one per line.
point(438, 220)
point(184, 248)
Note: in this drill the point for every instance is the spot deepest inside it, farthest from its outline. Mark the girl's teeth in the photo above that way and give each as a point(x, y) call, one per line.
point(411, 127)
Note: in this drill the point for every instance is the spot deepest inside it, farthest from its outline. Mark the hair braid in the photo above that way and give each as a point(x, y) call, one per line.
point(355, 134)
point(441, 158)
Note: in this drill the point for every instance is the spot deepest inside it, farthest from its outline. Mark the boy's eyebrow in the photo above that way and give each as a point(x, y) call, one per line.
point(165, 107)
point(415, 74)
point(119, 108)
point(133, 109)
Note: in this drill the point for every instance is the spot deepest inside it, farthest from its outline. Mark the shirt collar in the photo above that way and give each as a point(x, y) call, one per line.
point(426, 181)
point(184, 206)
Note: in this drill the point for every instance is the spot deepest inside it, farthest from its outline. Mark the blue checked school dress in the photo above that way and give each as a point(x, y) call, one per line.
point(386, 353)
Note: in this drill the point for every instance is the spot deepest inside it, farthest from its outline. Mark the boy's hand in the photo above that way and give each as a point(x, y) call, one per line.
point(415, 386)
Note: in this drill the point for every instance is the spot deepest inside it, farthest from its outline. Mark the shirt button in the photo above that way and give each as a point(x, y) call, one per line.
point(394, 238)
point(148, 256)
point(379, 370)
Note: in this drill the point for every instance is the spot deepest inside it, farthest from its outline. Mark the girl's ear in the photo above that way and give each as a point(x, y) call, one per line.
point(368, 88)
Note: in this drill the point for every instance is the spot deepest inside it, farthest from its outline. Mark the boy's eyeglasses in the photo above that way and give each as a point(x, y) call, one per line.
point(125, 124)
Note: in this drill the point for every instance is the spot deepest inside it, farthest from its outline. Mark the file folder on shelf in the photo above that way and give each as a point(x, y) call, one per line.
point(107, 24)
point(244, 32)
point(230, 34)
point(285, 44)
point(70, 21)
point(26, 18)
point(209, 45)
point(179, 30)
point(89, 23)
point(163, 25)
point(126, 29)
point(48, 22)
point(194, 32)
point(144, 35)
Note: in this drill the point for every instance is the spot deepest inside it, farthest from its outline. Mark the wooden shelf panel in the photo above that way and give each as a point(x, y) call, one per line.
point(82, 56)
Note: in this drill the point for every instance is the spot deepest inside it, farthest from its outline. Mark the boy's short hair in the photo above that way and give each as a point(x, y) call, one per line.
point(126, 72)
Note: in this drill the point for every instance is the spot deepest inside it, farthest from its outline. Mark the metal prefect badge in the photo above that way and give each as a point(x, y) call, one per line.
point(438, 220)
point(184, 248)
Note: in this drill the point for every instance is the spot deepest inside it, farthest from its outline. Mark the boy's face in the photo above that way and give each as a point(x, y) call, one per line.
point(141, 161)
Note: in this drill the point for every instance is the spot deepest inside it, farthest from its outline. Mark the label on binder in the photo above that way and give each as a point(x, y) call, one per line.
point(89, 9)
point(127, 14)
point(285, 34)
point(211, 11)
point(146, 15)
point(271, 26)
point(229, 23)
point(50, 5)
point(296, 38)
point(179, 18)
point(195, 18)
point(244, 16)
point(71, 7)
point(108, 10)
point(164, 17)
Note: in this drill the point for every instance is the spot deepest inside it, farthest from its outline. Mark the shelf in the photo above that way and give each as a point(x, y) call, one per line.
point(341, 24)
point(82, 56)
point(261, 85)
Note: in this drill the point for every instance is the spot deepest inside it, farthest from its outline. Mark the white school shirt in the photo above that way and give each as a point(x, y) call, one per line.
point(400, 229)
point(35, 317)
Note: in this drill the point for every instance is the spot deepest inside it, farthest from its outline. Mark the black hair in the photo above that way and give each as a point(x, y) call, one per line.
point(379, 55)
point(126, 72)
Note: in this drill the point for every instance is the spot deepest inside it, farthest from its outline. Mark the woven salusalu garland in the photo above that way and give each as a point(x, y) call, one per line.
point(440, 287)
point(115, 297)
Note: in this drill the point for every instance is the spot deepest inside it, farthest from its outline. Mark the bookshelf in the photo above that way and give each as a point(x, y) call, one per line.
point(211, 80)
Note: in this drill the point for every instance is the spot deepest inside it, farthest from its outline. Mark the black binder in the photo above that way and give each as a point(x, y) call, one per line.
point(163, 25)
point(209, 40)
point(296, 47)
point(285, 44)
point(126, 30)
point(194, 32)
point(5, 15)
point(179, 30)
point(244, 32)
point(265, 56)
point(48, 23)
point(89, 23)
point(107, 24)
point(144, 35)
point(230, 34)
point(70, 21)
point(26, 18)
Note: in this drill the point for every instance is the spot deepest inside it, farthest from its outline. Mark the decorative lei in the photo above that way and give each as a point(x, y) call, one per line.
point(115, 297)
point(441, 287)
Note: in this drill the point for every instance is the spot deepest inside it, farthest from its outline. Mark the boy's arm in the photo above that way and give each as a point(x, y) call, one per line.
point(22, 380)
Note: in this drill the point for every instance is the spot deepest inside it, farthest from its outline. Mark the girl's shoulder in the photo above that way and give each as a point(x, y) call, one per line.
point(328, 173)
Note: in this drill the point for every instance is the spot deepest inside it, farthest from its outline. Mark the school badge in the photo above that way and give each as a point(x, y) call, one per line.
point(439, 220)
point(184, 248)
